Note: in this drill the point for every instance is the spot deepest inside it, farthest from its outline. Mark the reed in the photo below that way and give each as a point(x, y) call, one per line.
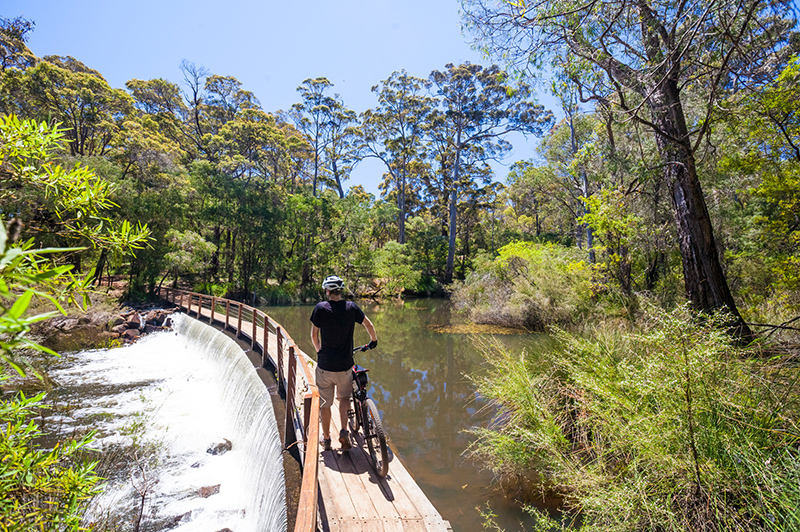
point(669, 428)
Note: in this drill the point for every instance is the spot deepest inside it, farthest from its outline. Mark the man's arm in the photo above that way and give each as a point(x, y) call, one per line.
point(370, 329)
point(315, 338)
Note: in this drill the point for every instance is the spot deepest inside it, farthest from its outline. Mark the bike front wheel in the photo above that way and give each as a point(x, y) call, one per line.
point(376, 438)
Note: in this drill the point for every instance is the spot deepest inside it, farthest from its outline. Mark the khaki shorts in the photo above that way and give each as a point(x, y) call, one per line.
point(326, 380)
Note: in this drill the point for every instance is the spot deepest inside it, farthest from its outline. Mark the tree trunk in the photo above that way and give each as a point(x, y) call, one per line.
point(401, 205)
point(706, 287)
point(451, 245)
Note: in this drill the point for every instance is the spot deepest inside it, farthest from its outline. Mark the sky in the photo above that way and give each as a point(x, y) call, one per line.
point(269, 46)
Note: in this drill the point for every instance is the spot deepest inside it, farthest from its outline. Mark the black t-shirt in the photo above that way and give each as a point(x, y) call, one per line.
point(336, 321)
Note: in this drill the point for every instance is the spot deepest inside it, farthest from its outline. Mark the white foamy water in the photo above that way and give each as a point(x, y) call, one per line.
point(182, 391)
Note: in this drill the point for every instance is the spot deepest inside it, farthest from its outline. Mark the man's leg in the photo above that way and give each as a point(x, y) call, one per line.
point(326, 399)
point(344, 406)
point(325, 415)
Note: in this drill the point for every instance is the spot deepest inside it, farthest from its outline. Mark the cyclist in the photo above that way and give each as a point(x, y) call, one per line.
point(333, 322)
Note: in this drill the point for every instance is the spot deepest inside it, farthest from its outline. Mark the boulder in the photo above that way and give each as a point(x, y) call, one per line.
point(220, 447)
point(154, 317)
point(134, 321)
point(119, 329)
point(115, 321)
point(150, 328)
point(131, 334)
point(207, 491)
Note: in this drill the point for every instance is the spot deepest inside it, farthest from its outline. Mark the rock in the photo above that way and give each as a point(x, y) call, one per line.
point(150, 328)
point(134, 321)
point(131, 334)
point(115, 321)
point(154, 317)
point(119, 329)
point(207, 491)
point(196, 464)
point(225, 530)
point(220, 448)
point(68, 324)
point(175, 521)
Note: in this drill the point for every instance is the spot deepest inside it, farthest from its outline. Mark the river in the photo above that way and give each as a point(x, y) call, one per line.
point(418, 377)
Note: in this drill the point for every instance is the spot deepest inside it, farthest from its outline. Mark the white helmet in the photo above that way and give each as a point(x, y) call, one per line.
point(332, 282)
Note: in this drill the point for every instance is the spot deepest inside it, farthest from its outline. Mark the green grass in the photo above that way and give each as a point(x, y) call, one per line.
point(670, 428)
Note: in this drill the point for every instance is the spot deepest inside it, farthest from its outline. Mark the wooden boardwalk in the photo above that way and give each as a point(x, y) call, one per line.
point(351, 497)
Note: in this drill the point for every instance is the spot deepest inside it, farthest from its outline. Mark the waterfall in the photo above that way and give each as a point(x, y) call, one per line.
point(178, 393)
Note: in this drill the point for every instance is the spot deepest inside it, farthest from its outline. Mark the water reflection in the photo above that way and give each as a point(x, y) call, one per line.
point(418, 377)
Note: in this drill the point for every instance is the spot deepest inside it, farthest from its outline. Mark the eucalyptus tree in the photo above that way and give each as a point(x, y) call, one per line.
point(14, 53)
point(640, 57)
point(394, 132)
point(328, 126)
point(64, 90)
point(479, 110)
point(162, 102)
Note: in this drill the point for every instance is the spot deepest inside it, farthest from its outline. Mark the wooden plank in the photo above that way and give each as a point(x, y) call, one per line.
point(338, 503)
point(327, 510)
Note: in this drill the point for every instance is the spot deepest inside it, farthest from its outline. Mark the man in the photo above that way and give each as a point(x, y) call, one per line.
point(333, 322)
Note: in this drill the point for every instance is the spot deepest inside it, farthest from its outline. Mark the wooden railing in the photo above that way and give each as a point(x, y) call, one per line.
point(302, 396)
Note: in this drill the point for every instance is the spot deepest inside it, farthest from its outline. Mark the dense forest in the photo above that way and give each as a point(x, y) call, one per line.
point(658, 222)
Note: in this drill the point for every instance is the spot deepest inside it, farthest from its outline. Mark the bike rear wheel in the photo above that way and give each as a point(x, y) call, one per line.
point(376, 438)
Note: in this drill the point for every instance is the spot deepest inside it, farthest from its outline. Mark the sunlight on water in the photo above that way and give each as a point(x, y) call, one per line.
point(181, 392)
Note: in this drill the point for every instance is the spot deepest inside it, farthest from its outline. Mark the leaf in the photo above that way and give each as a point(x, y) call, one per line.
point(20, 305)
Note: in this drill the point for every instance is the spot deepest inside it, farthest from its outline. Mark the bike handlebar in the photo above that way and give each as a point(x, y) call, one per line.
point(362, 348)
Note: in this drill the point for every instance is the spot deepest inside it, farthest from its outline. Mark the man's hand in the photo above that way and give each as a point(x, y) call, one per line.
point(373, 344)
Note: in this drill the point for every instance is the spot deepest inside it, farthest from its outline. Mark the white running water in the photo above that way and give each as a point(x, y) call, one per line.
point(182, 391)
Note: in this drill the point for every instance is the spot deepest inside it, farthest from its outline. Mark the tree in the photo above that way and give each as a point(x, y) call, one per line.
point(13, 50)
point(65, 90)
point(479, 109)
point(639, 57)
point(393, 132)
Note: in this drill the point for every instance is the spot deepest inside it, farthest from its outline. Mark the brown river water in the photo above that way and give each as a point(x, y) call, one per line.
point(418, 375)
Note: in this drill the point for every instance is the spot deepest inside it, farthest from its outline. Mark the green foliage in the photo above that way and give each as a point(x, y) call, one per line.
point(528, 285)
point(189, 253)
point(395, 269)
point(40, 489)
point(75, 202)
point(669, 428)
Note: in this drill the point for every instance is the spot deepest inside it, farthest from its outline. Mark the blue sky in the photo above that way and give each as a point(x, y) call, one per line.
point(270, 46)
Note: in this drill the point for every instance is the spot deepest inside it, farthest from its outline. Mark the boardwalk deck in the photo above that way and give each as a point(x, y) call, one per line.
point(352, 498)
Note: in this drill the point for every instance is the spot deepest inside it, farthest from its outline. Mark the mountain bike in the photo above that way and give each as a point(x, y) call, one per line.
point(364, 414)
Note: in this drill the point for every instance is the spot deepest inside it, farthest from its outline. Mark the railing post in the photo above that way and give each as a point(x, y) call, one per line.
point(227, 312)
point(306, 415)
point(279, 343)
point(239, 323)
point(181, 301)
point(189, 306)
point(255, 328)
point(265, 345)
point(213, 304)
point(290, 398)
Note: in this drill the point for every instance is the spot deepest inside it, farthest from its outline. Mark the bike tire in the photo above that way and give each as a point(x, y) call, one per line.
point(376, 438)
point(355, 420)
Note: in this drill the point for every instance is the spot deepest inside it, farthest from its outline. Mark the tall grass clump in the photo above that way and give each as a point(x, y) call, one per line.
point(670, 429)
point(529, 285)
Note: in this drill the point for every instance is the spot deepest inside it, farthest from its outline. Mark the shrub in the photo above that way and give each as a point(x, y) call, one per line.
point(40, 489)
point(528, 285)
point(672, 428)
